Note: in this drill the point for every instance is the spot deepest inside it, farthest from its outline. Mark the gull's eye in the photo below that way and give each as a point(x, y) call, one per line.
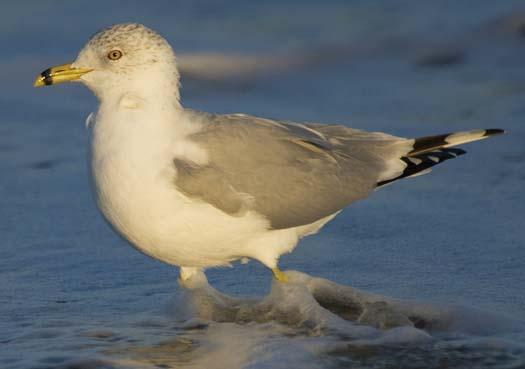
point(115, 55)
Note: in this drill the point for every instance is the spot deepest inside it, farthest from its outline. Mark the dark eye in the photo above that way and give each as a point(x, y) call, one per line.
point(115, 55)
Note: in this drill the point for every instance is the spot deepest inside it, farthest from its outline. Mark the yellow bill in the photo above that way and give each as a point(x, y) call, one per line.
point(59, 74)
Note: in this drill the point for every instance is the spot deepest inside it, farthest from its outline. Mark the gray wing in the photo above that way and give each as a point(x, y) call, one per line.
point(293, 174)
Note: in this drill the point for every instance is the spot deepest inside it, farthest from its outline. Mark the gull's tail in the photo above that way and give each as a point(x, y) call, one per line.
point(432, 150)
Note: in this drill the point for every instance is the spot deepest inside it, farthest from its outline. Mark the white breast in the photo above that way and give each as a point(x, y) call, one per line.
point(130, 176)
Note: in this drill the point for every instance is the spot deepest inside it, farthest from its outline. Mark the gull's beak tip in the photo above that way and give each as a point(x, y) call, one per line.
point(59, 74)
point(39, 81)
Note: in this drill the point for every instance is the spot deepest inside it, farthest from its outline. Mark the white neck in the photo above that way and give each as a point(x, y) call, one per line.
point(151, 123)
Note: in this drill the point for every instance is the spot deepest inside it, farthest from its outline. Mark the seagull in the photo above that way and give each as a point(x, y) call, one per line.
point(200, 190)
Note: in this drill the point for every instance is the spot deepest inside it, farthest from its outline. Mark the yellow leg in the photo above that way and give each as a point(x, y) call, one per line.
point(279, 275)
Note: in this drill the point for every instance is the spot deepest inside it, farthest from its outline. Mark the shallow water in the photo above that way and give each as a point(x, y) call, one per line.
point(448, 248)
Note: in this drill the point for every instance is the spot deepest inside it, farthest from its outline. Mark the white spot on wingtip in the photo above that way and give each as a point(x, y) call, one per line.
point(415, 161)
point(434, 159)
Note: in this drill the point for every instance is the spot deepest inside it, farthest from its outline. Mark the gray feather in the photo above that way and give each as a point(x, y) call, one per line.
point(292, 174)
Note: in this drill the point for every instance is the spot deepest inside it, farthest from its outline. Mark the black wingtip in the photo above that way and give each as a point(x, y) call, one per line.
point(419, 163)
point(494, 131)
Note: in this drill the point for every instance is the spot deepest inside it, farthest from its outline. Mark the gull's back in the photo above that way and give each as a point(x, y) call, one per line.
point(292, 174)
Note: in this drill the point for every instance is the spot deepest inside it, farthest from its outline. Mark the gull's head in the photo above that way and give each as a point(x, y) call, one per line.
point(122, 59)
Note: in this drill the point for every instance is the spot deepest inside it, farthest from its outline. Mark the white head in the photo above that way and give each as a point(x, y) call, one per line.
point(122, 59)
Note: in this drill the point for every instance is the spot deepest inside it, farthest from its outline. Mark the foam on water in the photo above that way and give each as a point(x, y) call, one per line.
point(314, 323)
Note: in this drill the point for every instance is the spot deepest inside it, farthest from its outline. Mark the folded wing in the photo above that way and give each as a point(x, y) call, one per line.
point(292, 174)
